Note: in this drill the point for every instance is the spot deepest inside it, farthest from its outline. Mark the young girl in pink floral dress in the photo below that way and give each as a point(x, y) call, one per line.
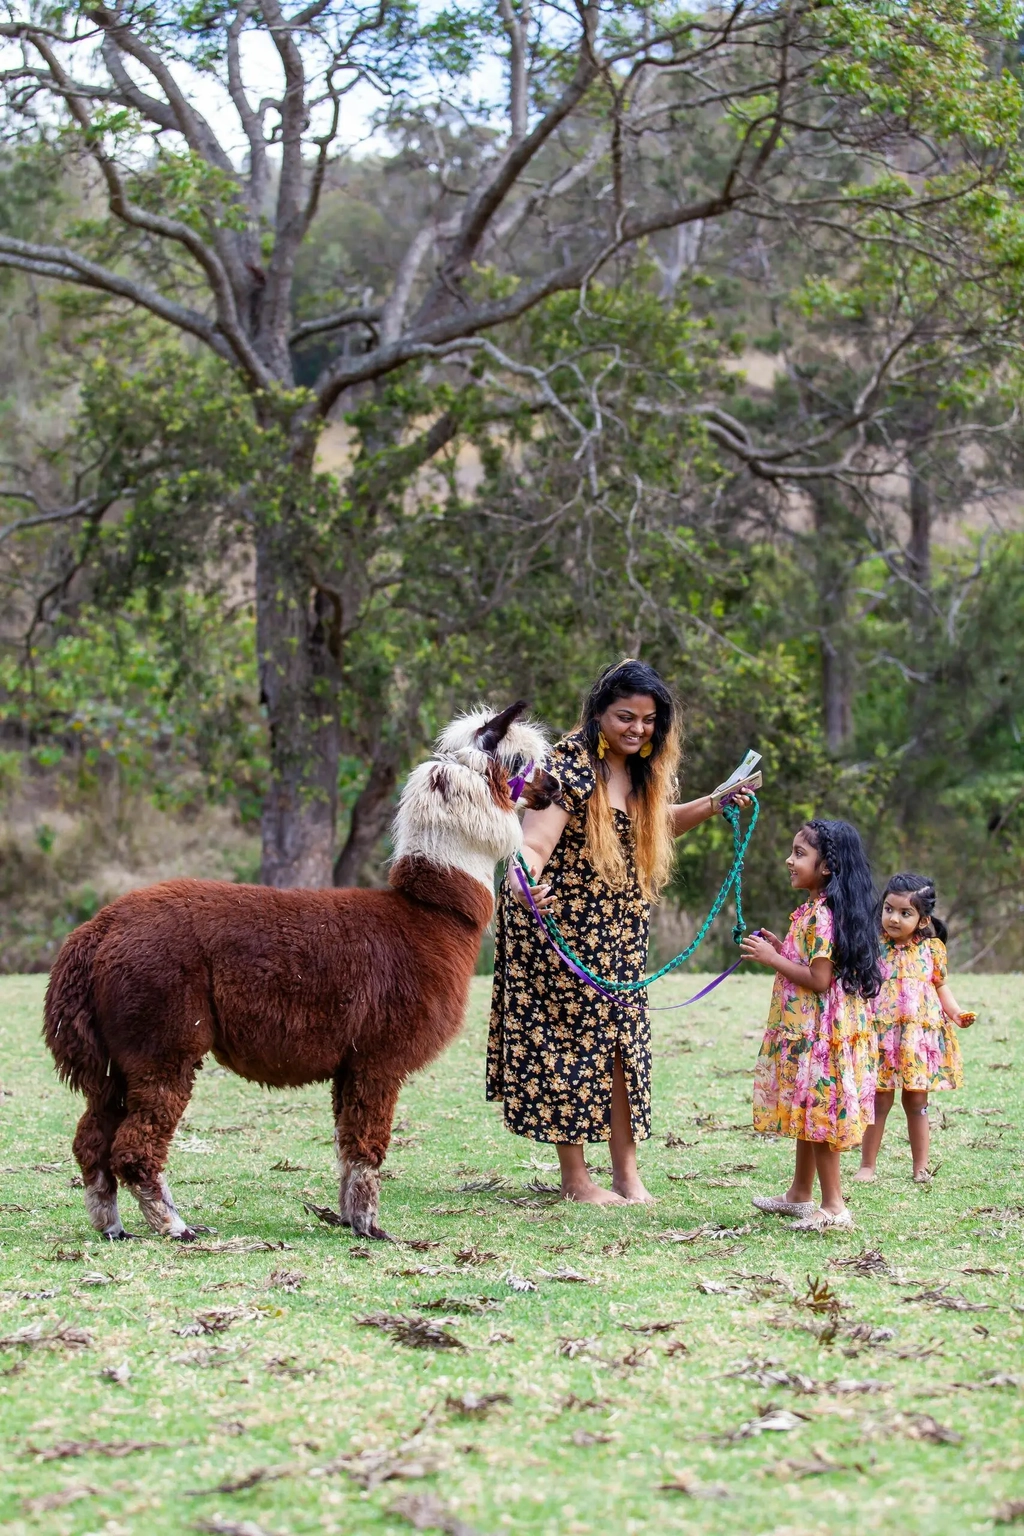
point(913, 1013)
point(815, 1075)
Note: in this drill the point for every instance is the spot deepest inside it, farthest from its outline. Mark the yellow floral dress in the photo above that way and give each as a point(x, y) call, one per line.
point(553, 1040)
point(917, 1048)
point(815, 1074)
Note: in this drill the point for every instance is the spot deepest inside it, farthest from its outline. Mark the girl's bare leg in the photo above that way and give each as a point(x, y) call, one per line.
point(826, 1160)
point(915, 1105)
point(872, 1143)
point(626, 1180)
point(802, 1188)
point(576, 1181)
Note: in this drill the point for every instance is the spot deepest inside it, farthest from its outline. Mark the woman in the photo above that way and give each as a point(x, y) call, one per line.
point(571, 1066)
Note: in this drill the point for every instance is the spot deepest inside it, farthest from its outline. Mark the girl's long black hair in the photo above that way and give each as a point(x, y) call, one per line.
point(851, 898)
point(921, 892)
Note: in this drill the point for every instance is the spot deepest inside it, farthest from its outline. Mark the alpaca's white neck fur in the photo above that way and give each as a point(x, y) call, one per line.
point(447, 814)
point(482, 836)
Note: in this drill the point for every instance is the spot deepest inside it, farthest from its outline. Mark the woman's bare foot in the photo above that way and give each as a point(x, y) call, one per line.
point(864, 1176)
point(632, 1191)
point(589, 1193)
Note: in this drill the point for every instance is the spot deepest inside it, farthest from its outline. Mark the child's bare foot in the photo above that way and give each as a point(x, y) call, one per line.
point(632, 1191)
point(922, 1176)
point(865, 1175)
point(590, 1193)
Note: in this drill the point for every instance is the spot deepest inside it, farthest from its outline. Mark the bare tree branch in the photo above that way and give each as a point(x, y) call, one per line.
point(89, 506)
point(394, 311)
point(252, 124)
point(517, 27)
point(361, 315)
point(346, 372)
point(486, 202)
point(68, 266)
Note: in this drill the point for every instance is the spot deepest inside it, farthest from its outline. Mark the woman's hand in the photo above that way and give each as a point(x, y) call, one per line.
point(735, 797)
point(760, 949)
point(543, 899)
point(541, 892)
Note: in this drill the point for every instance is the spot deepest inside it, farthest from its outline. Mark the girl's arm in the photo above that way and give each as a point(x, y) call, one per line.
point(950, 1007)
point(541, 831)
point(816, 977)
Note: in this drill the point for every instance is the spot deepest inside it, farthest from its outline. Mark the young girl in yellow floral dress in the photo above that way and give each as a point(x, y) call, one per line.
point(913, 1012)
point(815, 1075)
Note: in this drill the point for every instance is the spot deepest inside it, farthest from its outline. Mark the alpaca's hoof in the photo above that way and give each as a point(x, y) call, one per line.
point(186, 1235)
point(364, 1224)
point(121, 1237)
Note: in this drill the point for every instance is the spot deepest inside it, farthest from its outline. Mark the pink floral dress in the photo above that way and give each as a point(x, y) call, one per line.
point(917, 1047)
point(815, 1074)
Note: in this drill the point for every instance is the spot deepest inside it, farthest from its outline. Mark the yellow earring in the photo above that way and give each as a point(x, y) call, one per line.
point(647, 749)
point(602, 744)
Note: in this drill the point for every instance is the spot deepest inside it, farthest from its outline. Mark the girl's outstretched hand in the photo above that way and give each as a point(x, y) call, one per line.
point(773, 939)
point(762, 950)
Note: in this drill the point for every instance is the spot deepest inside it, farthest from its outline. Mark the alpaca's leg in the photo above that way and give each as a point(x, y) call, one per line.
point(362, 1133)
point(92, 1146)
point(338, 1101)
point(140, 1146)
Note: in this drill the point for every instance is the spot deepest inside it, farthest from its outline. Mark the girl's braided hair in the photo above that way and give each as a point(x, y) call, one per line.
point(921, 893)
point(850, 896)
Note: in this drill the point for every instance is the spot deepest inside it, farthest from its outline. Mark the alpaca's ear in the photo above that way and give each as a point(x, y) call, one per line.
point(493, 730)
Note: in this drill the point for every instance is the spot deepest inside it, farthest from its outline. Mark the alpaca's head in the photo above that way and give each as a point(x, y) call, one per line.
point(456, 810)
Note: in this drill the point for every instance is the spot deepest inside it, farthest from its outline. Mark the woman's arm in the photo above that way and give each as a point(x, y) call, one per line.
point(816, 977)
point(541, 831)
point(686, 817)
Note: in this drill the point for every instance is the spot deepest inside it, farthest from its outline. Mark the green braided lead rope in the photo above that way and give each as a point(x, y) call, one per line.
point(734, 878)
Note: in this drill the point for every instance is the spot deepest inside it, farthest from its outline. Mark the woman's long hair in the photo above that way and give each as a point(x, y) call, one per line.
point(851, 897)
point(652, 781)
point(921, 893)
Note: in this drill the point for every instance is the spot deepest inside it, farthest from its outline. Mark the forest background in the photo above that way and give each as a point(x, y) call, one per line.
point(361, 362)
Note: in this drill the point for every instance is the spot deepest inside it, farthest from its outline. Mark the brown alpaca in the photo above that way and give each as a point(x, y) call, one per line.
point(288, 987)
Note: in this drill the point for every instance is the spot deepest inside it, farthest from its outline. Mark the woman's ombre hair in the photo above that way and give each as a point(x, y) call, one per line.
point(653, 781)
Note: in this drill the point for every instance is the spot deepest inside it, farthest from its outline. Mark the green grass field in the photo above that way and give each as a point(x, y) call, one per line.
point(694, 1353)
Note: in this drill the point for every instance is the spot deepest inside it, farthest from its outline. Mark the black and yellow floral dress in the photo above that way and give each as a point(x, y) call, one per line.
point(553, 1039)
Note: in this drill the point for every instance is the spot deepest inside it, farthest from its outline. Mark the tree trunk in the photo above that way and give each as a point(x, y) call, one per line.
point(835, 693)
point(297, 633)
point(832, 580)
point(370, 816)
point(919, 548)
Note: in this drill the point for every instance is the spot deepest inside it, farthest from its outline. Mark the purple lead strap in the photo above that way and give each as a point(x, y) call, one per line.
point(516, 785)
point(613, 997)
point(576, 970)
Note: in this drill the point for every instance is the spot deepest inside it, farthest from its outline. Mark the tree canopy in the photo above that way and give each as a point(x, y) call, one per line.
point(693, 332)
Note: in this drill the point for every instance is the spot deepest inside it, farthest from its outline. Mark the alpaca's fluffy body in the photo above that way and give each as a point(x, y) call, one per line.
point(286, 987)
